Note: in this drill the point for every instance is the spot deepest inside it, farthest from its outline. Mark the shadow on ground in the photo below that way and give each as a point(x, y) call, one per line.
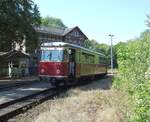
point(101, 84)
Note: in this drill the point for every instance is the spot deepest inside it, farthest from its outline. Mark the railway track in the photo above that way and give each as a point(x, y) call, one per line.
point(12, 108)
point(15, 107)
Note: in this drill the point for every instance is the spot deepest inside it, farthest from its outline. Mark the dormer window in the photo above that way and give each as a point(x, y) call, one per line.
point(76, 34)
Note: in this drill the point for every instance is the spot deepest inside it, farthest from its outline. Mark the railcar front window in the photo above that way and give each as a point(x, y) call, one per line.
point(52, 55)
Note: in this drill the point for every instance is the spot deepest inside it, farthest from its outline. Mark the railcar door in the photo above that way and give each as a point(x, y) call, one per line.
point(72, 63)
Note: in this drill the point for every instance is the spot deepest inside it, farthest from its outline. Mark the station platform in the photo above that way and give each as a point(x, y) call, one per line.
point(8, 82)
point(12, 93)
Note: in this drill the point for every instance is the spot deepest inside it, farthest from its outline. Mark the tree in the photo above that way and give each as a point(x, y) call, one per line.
point(17, 21)
point(102, 48)
point(145, 33)
point(53, 22)
point(91, 44)
point(148, 20)
point(94, 45)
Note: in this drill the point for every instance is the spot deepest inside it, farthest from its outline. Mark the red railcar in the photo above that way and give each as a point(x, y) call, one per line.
point(62, 62)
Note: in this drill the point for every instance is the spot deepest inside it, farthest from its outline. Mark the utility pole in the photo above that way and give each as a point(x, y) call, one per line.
point(111, 52)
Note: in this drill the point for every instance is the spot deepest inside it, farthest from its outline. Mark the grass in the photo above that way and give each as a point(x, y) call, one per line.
point(90, 103)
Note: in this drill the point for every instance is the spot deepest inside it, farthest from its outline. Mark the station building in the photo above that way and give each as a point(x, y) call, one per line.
point(68, 35)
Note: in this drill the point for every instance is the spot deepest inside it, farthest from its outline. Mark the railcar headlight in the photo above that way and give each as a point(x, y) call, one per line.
point(57, 71)
point(42, 70)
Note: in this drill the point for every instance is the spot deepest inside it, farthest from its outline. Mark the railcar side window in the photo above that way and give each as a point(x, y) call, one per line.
point(102, 60)
point(87, 58)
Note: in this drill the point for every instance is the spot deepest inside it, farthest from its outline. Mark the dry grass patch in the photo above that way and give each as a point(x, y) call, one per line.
point(84, 104)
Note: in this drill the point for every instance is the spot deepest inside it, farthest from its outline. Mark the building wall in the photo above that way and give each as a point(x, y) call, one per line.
point(17, 68)
point(49, 38)
point(75, 37)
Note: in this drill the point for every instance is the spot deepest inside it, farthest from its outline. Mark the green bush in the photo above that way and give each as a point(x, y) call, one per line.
point(134, 76)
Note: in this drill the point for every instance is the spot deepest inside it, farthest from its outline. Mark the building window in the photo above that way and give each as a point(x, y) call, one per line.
point(75, 42)
point(79, 42)
point(76, 34)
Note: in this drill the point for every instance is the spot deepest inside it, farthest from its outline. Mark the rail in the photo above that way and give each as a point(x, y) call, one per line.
point(15, 107)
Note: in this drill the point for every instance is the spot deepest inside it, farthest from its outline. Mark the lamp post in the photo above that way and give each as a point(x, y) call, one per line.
point(111, 52)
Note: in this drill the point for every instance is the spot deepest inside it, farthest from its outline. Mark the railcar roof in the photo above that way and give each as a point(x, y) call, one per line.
point(63, 44)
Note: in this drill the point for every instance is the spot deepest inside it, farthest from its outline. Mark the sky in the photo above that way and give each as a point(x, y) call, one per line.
point(125, 19)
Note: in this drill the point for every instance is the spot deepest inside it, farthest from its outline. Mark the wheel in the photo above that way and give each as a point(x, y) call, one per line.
point(40, 78)
point(93, 78)
point(54, 82)
point(66, 83)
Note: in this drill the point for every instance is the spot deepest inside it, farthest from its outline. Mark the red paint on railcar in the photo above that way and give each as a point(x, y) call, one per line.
point(53, 68)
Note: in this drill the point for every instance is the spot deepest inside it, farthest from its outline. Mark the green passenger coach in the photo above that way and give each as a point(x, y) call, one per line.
point(61, 62)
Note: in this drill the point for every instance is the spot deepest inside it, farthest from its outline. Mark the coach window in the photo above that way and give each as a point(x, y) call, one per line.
point(105, 60)
point(92, 59)
point(102, 60)
point(83, 58)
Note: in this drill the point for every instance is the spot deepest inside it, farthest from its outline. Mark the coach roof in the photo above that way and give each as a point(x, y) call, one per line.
point(63, 44)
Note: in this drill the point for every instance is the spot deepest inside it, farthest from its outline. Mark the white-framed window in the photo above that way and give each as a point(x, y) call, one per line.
point(76, 33)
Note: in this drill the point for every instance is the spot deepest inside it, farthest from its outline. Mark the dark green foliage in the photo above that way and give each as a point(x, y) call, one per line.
point(17, 19)
point(134, 75)
point(91, 44)
point(148, 20)
point(53, 22)
point(145, 33)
